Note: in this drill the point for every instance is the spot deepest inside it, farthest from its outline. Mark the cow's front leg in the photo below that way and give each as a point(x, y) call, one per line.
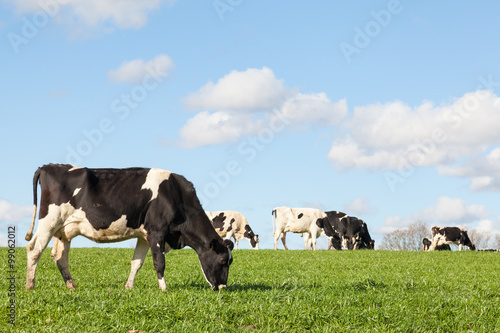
point(157, 250)
point(141, 249)
point(307, 238)
point(60, 254)
point(313, 242)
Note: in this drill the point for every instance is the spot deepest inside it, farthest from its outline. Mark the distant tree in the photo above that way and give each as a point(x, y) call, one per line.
point(406, 239)
point(497, 240)
point(479, 238)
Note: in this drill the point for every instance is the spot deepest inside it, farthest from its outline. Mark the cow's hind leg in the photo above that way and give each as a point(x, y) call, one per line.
point(141, 249)
point(34, 251)
point(283, 240)
point(60, 254)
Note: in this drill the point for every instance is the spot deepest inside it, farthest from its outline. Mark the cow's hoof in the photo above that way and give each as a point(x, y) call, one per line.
point(70, 284)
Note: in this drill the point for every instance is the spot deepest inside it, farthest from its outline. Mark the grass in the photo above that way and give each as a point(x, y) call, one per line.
point(283, 291)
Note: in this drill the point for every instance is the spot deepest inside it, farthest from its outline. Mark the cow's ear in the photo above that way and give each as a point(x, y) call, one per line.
point(228, 243)
point(319, 223)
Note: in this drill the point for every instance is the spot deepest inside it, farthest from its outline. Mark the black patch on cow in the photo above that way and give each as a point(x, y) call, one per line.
point(300, 215)
point(230, 225)
point(218, 221)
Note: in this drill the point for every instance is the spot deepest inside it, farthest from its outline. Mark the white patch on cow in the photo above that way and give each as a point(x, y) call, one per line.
point(153, 180)
point(162, 284)
point(68, 222)
point(75, 192)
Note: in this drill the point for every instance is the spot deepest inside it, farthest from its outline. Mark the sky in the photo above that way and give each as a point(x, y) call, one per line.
point(385, 110)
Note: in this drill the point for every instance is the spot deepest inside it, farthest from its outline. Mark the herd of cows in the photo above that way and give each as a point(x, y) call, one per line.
point(161, 209)
point(343, 231)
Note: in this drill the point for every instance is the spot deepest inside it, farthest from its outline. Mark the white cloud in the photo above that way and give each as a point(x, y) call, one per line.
point(243, 103)
point(385, 136)
point(460, 138)
point(483, 170)
point(445, 212)
point(98, 14)
point(10, 212)
point(392, 223)
point(220, 127)
point(314, 108)
point(253, 89)
point(359, 206)
point(452, 211)
point(135, 71)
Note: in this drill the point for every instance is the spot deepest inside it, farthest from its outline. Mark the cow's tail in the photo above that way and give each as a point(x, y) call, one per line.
point(273, 213)
point(36, 177)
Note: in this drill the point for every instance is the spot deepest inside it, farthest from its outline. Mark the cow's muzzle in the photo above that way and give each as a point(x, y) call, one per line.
point(219, 287)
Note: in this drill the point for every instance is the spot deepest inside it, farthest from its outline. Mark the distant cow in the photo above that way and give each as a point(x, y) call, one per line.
point(346, 231)
point(157, 207)
point(297, 220)
point(427, 243)
point(450, 235)
point(233, 224)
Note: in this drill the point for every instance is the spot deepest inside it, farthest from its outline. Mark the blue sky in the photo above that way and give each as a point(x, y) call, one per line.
point(386, 110)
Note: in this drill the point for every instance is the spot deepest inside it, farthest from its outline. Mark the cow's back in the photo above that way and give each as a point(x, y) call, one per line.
point(104, 195)
point(297, 220)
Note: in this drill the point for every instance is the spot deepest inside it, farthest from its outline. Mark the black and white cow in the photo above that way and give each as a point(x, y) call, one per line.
point(233, 224)
point(427, 243)
point(346, 231)
point(450, 235)
point(297, 220)
point(157, 207)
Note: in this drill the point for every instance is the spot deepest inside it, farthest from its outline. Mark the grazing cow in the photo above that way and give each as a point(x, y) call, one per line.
point(297, 220)
point(427, 243)
point(346, 231)
point(450, 235)
point(157, 207)
point(233, 224)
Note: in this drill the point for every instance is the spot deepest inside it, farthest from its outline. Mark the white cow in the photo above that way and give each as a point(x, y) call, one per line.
point(297, 220)
point(233, 224)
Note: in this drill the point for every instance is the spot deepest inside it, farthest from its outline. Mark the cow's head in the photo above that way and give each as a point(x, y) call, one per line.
point(253, 238)
point(215, 261)
point(254, 242)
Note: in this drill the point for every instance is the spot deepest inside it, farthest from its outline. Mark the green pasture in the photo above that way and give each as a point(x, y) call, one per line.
point(268, 291)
